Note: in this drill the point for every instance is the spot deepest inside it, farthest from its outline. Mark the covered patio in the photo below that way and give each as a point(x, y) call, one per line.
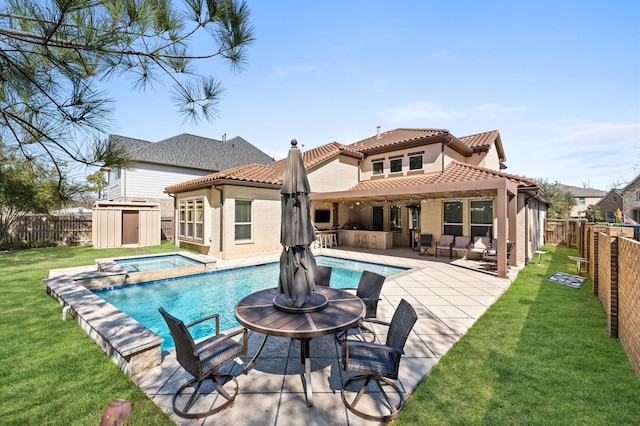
point(447, 298)
point(419, 199)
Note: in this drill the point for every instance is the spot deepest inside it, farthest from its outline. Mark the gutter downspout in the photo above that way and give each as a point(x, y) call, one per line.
point(221, 221)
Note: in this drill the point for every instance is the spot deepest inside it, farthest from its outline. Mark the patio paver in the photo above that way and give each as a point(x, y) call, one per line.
point(447, 298)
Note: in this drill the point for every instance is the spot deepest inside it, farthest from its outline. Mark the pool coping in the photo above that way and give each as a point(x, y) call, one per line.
point(131, 345)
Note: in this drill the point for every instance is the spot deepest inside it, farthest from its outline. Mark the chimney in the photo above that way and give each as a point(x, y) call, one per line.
point(378, 132)
point(224, 137)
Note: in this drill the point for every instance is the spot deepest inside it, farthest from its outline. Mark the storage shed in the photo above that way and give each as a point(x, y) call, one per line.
point(125, 223)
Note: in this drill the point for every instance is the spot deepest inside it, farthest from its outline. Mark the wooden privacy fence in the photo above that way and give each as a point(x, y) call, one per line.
point(40, 230)
point(562, 232)
point(37, 230)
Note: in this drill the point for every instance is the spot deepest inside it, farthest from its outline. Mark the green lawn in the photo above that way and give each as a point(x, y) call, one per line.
point(51, 372)
point(540, 356)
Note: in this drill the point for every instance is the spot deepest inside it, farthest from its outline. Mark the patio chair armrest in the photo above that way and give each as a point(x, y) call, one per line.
point(203, 319)
point(376, 321)
point(368, 345)
point(216, 339)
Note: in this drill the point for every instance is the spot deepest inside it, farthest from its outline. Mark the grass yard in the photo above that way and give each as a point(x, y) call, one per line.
point(540, 356)
point(51, 372)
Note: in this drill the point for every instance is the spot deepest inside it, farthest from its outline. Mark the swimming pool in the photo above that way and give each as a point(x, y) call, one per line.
point(195, 296)
point(154, 263)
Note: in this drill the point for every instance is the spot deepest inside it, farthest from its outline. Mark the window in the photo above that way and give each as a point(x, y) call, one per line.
point(378, 167)
point(614, 199)
point(395, 165)
point(415, 162)
point(191, 220)
point(243, 220)
point(395, 219)
point(638, 196)
point(452, 217)
point(580, 200)
point(482, 218)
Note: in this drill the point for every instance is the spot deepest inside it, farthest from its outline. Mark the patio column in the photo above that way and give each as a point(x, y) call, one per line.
point(501, 250)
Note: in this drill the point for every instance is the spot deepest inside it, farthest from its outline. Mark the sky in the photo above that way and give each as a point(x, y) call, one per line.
point(559, 79)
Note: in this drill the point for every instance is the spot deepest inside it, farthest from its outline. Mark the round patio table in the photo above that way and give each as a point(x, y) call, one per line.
point(257, 312)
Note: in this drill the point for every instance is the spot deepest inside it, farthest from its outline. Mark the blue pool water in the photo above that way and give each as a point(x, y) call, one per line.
point(154, 263)
point(193, 297)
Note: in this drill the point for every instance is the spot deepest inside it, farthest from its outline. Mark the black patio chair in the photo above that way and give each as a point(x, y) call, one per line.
point(203, 360)
point(426, 241)
point(491, 256)
point(378, 363)
point(369, 288)
point(323, 275)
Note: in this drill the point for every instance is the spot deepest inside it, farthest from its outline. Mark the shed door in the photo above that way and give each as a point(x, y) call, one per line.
point(130, 226)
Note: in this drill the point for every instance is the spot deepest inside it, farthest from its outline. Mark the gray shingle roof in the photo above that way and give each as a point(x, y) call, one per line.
point(580, 192)
point(195, 152)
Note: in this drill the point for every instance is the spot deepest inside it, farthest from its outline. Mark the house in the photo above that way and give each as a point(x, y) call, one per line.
point(585, 198)
point(631, 200)
point(395, 185)
point(152, 166)
point(608, 205)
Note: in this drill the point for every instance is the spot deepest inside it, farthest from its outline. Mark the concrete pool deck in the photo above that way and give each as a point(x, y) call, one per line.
point(448, 300)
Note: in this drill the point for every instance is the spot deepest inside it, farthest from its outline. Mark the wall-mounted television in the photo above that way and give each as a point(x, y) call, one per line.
point(322, 216)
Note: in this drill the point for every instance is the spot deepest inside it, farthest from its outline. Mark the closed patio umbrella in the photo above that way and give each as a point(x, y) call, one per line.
point(297, 264)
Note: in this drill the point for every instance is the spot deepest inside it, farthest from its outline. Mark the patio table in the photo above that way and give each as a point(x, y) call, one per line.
point(257, 312)
point(579, 261)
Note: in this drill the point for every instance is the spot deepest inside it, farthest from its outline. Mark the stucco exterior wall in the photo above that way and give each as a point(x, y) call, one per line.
point(265, 233)
point(431, 161)
point(339, 174)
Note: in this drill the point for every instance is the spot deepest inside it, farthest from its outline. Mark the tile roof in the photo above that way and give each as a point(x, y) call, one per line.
point(396, 136)
point(271, 174)
point(194, 152)
point(455, 172)
point(483, 141)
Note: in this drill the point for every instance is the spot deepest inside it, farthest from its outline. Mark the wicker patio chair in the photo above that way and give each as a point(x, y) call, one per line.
point(369, 288)
point(323, 275)
point(203, 360)
point(380, 364)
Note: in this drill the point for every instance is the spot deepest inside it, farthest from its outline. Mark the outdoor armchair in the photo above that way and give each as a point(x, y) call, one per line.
point(491, 256)
point(426, 241)
point(460, 244)
point(378, 363)
point(202, 360)
point(323, 275)
point(369, 289)
point(445, 242)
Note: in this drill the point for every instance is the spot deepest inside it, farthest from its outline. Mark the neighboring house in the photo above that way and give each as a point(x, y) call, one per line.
point(400, 183)
point(585, 198)
point(152, 166)
point(608, 205)
point(631, 199)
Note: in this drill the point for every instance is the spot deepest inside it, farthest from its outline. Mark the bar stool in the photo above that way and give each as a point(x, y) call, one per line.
point(357, 241)
point(374, 241)
point(333, 241)
point(365, 241)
